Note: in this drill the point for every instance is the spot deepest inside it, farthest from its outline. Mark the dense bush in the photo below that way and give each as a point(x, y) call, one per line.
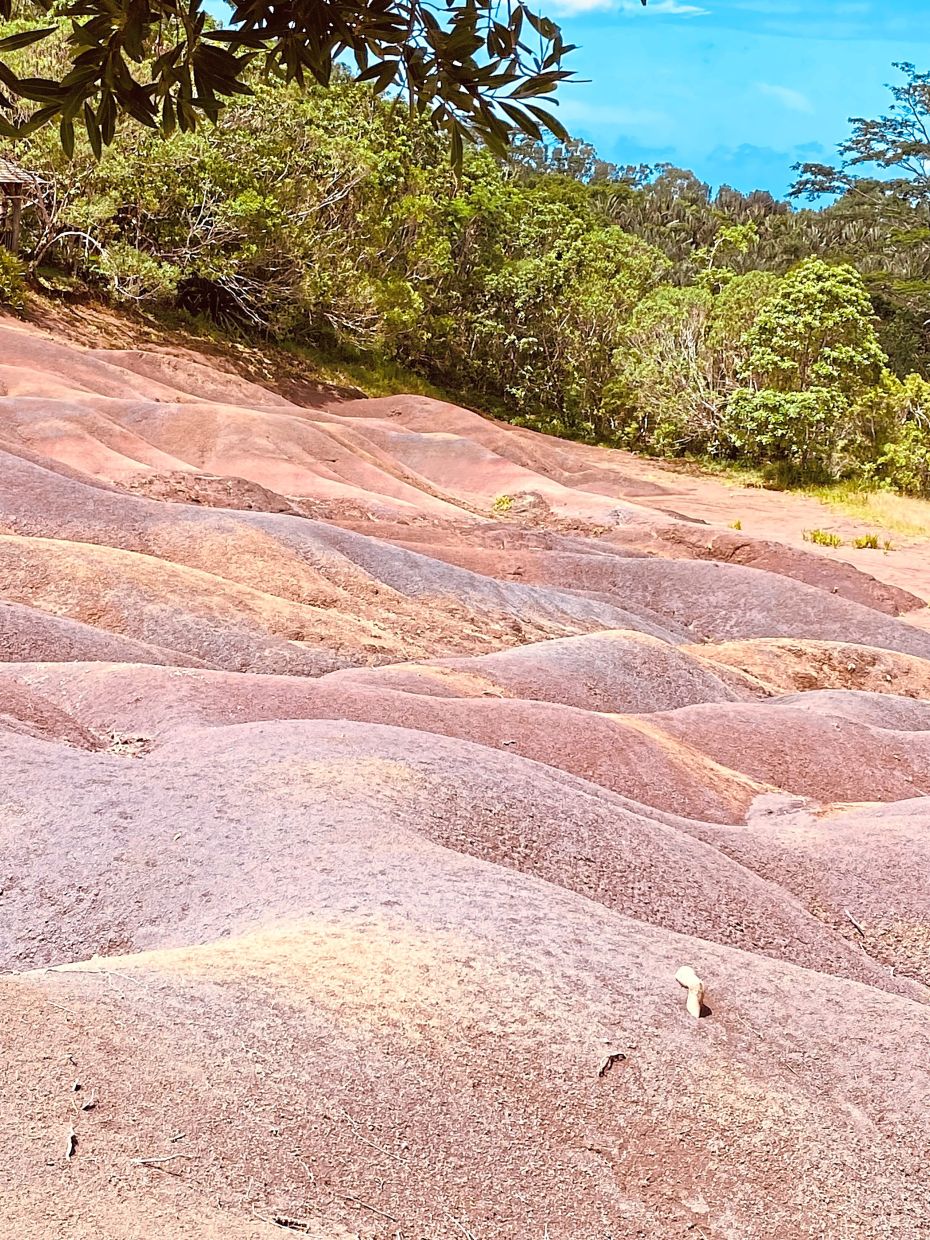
point(801, 434)
point(662, 396)
point(905, 462)
point(12, 281)
point(810, 354)
point(899, 425)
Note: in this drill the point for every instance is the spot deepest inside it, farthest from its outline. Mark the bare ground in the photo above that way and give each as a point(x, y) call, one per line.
point(353, 827)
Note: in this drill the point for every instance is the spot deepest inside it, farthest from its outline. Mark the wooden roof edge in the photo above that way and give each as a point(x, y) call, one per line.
point(11, 173)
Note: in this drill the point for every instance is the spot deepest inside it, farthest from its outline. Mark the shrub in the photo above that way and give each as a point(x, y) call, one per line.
point(803, 432)
point(663, 375)
point(866, 542)
point(12, 281)
point(903, 454)
point(135, 275)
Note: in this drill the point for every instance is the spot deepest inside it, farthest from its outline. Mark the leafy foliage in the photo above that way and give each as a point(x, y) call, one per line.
point(897, 142)
point(12, 281)
point(798, 431)
point(683, 352)
point(816, 332)
point(901, 456)
point(551, 316)
point(664, 379)
point(811, 352)
point(165, 65)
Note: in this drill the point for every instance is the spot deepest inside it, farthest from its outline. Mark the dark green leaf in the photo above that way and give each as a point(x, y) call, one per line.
point(66, 133)
point(93, 131)
point(551, 122)
point(13, 42)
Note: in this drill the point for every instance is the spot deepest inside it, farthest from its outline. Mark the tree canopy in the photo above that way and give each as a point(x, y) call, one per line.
point(473, 69)
point(896, 146)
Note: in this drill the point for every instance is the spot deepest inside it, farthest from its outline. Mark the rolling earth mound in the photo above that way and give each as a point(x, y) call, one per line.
point(370, 770)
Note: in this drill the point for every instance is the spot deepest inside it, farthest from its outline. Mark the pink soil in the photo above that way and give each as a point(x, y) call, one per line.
point(352, 831)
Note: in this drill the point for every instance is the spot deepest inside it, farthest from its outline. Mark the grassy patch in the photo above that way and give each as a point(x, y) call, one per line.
point(901, 513)
point(871, 542)
point(373, 375)
point(823, 538)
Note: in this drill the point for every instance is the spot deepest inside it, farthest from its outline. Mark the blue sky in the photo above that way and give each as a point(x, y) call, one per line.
point(737, 90)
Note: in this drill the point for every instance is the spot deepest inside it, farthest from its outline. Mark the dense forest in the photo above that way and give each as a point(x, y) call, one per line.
point(623, 305)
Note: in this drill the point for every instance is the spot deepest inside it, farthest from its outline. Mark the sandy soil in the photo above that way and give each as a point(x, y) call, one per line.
point(353, 828)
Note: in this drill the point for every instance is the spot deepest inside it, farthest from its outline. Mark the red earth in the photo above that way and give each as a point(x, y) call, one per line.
point(370, 770)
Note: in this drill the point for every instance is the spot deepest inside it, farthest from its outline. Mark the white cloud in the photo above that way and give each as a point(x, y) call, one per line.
point(667, 8)
point(788, 98)
point(577, 110)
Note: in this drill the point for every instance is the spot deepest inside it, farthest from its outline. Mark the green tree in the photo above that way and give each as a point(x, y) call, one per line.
point(662, 393)
point(552, 315)
point(881, 217)
point(898, 414)
point(712, 262)
point(736, 309)
point(682, 352)
point(897, 143)
point(316, 215)
point(816, 332)
point(811, 353)
point(797, 435)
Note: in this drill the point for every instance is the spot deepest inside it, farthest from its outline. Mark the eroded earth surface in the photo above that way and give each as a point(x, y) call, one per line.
point(370, 769)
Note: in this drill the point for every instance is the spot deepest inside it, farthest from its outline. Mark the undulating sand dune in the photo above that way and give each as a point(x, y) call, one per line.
point(355, 823)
